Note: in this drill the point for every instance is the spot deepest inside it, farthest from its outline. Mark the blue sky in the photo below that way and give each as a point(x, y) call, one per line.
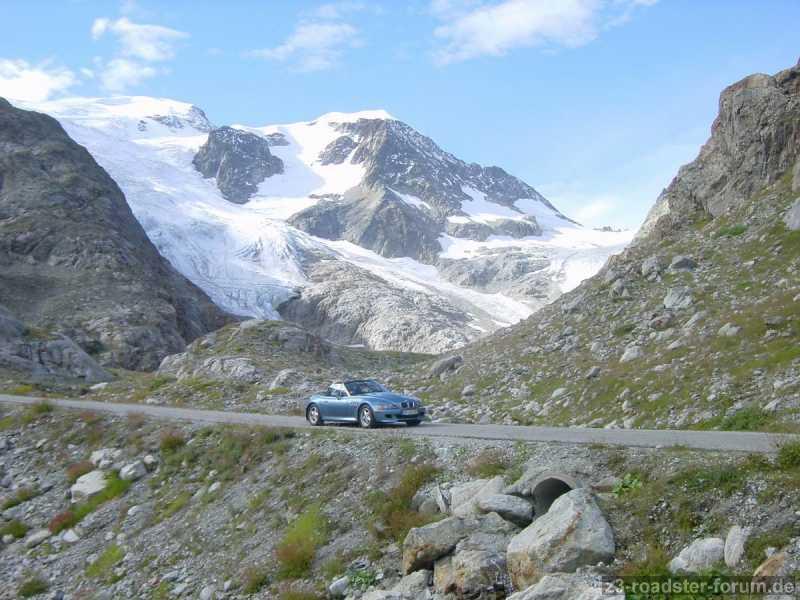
point(594, 102)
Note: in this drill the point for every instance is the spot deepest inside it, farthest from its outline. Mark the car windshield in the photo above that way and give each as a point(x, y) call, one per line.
point(356, 388)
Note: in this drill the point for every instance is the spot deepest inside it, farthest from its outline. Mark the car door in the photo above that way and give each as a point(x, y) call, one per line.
point(339, 400)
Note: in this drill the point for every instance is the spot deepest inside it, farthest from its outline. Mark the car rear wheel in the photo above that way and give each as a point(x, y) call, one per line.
point(313, 415)
point(366, 418)
point(413, 423)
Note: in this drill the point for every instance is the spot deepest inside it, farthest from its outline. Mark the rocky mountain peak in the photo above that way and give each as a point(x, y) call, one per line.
point(239, 161)
point(754, 139)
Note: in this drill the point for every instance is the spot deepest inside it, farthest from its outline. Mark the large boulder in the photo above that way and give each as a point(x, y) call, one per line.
point(701, 555)
point(573, 533)
point(424, 545)
point(88, 485)
point(678, 297)
point(792, 216)
point(478, 561)
point(567, 586)
point(464, 498)
point(512, 508)
point(734, 544)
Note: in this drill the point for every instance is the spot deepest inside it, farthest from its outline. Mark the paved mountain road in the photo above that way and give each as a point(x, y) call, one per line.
point(733, 441)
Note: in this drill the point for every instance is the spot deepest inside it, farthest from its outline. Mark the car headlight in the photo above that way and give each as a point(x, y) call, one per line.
point(383, 406)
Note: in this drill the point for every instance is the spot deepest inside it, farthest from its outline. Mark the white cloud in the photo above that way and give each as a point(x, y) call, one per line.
point(139, 45)
point(313, 46)
point(21, 80)
point(471, 29)
point(152, 43)
point(119, 74)
point(337, 10)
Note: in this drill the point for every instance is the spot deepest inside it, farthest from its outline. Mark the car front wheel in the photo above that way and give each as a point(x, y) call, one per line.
point(413, 423)
point(366, 418)
point(313, 415)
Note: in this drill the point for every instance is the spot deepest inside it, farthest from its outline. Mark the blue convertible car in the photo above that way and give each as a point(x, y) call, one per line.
point(362, 401)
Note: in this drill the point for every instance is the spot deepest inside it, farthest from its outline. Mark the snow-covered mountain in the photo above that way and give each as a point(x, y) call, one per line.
point(353, 224)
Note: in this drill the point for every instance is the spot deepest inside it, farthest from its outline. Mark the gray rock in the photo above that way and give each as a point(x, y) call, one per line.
point(239, 161)
point(573, 533)
point(792, 216)
point(209, 592)
point(729, 330)
point(415, 585)
point(565, 586)
point(105, 457)
point(512, 508)
point(652, 266)
point(37, 537)
point(449, 363)
point(133, 471)
point(700, 555)
point(284, 378)
point(88, 485)
point(734, 545)
point(681, 262)
point(424, 545)
point(338, 588)
point(468, 391)
point(632, 352)
point(464, 498)
point(678, 298)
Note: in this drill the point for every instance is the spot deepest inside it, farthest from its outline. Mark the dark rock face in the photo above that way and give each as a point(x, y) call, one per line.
point(276, 139)
point(196, 119)
point(239, 160)
point(75, 261)
point(337, 151)
point(754, 140)
point(375, 219)
point(482, 231)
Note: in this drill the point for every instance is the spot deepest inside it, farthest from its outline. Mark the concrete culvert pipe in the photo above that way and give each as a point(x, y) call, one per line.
point(547, 489)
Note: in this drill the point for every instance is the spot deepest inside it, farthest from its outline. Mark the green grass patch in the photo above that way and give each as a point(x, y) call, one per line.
point(789, 455)
point(16, 528)
point(755, 549)
point(173, 506)
point(391, 511)
point(103, 568)
point(732, 230)
point(300, 543)
point(171, 440)
point(32, 585)
point(253, 579)
point(23, 494)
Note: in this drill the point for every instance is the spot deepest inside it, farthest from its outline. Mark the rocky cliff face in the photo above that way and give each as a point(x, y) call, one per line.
point(754, 140)
point(695, 324)
point(73, 259)
point(238, 160)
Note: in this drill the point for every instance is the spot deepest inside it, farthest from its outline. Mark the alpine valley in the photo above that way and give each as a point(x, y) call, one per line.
point(354, 226)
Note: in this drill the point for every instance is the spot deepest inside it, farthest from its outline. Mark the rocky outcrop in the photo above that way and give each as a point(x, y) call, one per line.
point(573, 533)
point(699, 556)
point(374, 218)
point(567, 586)
point(351, 306)
point(75, 261)
point(239, 161)
point(754, 140)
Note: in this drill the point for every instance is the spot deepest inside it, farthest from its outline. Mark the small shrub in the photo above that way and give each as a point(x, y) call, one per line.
point(136, 420)
point(7, 423)
point(789, 455)
point(21, 390)
point(393, 508)
point(627, 484)
point(41, 408)
point(751, 418)
point(76, 470)
point(732, 230)
point(489, 462)
point(624, 330)
point(63, 520)
point(253, 579)
point(363, 579)
point(171, 441)
point(279, 391)
point(103, 567)
point(333, 567)
point(299, 545)
point(18, 529)
point(32, 585)
point(23, 494)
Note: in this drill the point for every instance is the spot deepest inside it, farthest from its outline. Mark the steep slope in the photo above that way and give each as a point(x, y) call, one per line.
point(694, 325)
point(73, 258)
point(358, 195)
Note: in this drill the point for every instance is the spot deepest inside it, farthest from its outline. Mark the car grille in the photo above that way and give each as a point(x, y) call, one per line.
point(407, 404)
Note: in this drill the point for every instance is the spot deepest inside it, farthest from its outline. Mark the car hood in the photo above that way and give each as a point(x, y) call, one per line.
point(387, 397)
